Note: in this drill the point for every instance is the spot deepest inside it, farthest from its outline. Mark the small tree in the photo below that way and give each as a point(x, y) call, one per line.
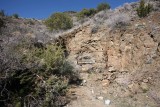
point(103, 6)
point(143, 10)
point(59, 21)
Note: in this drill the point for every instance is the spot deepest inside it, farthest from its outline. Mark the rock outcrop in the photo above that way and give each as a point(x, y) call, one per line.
point(133, 49)
point(128, 58)
point(120, 65)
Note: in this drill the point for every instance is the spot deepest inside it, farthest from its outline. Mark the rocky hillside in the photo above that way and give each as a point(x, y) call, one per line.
point(128, 59)
point(118, 64)
point(116, 53)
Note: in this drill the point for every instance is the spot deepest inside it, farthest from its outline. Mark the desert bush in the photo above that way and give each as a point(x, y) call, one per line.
point(92, 11)
point(143, 10)
point(113, 19)
point(52, 73)
point(100, 17)
point(33, 76)
point(15, 16)
point(83, 13)
point(59, 21)
point(49, 57)
point(86, 13)
point(118, 20)
point(103, 6)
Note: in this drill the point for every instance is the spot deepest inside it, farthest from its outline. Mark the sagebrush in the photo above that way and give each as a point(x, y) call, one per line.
point(118, 20)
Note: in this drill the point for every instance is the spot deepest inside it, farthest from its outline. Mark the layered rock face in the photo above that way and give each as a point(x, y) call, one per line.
point(128, 60)
point(87, 51)
point(135, 48)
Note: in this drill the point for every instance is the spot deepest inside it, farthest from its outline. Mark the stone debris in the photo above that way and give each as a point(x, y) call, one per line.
point(92, 91)
point(107, 102)
point(145, 80)
point(144, 86)
point(100, 98)
point(105, 83)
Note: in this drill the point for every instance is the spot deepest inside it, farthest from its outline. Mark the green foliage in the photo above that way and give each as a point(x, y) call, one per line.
point(86, 13)
point(143, 10)
point(45, 78)
point(2, 13)
point(48, 58)
point(82, 13)
point(90, 12)
point(59, 21)
point(55, 86)
point(103, 6)
point(15, 16)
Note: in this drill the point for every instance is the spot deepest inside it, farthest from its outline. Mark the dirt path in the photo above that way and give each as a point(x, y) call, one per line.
point(89, 94)
point(95, 91)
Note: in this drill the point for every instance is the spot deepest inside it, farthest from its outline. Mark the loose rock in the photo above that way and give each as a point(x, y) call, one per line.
point(100, 98)
point(107, 102)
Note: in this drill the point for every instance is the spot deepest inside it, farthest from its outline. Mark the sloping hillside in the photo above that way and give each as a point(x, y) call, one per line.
point(115, 54)
point(121, 65)
point(117, 64)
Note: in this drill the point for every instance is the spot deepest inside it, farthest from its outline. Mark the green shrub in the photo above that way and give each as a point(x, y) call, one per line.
point(83, 13)
point(15, 16)
point(37, 76)
point(44, 79)
point(86, 13)
point(143, 10)
point(49, 57)
point(92, 11)
point(103, 6)
point(59, 21)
